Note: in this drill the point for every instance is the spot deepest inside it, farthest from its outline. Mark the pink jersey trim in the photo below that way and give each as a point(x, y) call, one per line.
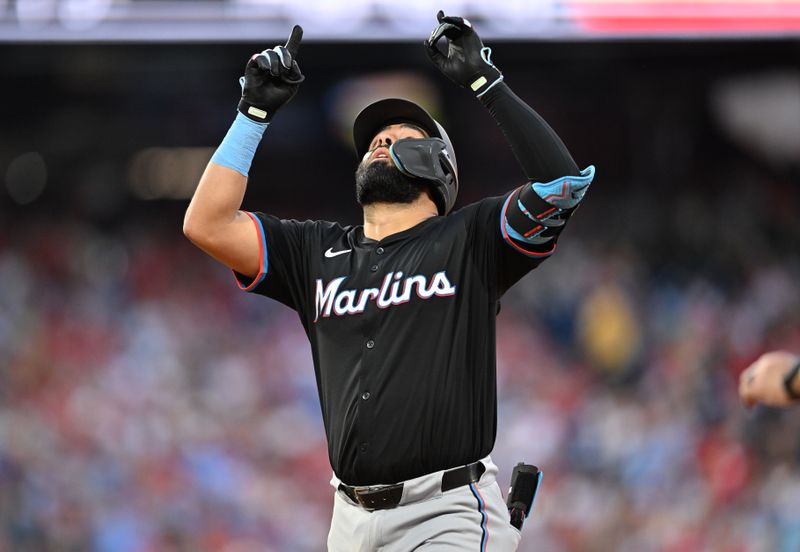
point(262, 256)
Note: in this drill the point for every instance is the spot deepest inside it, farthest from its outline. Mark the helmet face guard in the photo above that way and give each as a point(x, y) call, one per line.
point(432, 159)
point(427, 158)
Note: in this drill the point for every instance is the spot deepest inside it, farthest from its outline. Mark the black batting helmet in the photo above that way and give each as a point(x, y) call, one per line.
point(436, 162)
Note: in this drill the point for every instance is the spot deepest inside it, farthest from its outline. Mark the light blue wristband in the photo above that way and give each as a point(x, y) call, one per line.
point(239, 146)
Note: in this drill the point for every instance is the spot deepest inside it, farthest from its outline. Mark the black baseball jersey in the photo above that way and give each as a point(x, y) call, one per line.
point(402, 333)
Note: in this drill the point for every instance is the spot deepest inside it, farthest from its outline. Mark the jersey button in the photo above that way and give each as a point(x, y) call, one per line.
point(365, 396)
point(374, 268)
point(370, 344)
point(379, 251)
point(363, 447)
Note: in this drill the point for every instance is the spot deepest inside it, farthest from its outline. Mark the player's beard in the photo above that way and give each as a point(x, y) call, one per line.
point(381, 182)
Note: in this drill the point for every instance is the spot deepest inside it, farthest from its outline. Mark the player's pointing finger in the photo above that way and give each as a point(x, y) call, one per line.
point(293, 44)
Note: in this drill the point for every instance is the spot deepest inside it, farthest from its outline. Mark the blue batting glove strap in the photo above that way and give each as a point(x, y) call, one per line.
point(480, 85)
point(239, 146)
point(565, 192)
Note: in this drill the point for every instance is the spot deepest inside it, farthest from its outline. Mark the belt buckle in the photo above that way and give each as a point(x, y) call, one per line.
point(375, 497)
point(359, 491)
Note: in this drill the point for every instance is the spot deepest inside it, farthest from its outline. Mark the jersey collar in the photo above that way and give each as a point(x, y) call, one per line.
point(361, 240)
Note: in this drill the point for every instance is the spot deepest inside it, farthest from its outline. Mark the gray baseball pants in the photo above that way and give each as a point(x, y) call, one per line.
point(469, 518)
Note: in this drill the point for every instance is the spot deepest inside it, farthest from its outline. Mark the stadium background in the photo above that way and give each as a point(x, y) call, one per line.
point(148, 405)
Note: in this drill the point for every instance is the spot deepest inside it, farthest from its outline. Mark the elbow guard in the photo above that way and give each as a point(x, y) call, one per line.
point(537, 212)
point(530, 219)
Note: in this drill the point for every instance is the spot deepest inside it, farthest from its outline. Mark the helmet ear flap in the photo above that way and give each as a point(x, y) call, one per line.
point(428, 159)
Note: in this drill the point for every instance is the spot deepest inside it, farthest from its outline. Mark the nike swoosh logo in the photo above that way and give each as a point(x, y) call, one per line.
point(330, 253)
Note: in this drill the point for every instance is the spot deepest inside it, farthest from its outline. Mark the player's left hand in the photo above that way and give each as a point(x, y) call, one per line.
point(467, 61)
point(762, 381)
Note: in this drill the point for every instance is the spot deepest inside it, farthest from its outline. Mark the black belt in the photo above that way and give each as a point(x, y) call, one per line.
point(388, 496)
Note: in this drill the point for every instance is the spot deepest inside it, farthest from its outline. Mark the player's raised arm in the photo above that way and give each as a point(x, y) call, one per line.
point(536, 212)
point(213, 220)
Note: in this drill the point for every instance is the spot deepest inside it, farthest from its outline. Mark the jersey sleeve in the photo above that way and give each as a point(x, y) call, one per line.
point(501, 260)
point(282, 260)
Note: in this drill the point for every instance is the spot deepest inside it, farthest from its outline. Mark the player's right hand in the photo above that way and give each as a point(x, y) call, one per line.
point(271, 78)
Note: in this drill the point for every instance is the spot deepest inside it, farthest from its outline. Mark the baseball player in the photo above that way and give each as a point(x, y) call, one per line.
point(399, 311)
point(771, 380)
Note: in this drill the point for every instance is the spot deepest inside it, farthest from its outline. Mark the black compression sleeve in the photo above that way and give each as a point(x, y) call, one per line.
point(539, 150)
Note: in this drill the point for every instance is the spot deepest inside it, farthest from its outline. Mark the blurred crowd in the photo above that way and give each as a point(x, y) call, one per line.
point(146, 404)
